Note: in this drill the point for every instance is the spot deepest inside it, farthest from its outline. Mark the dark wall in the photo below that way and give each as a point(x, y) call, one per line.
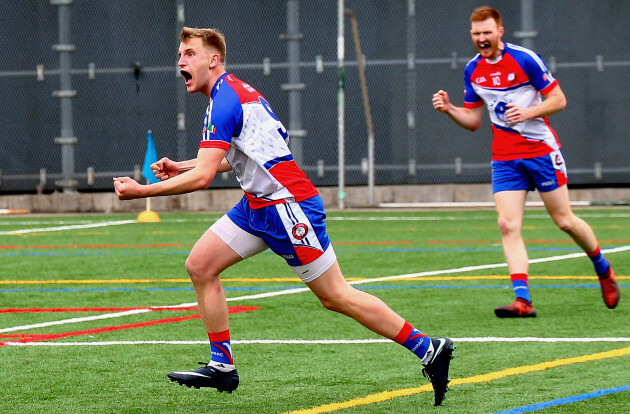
point(113, 111)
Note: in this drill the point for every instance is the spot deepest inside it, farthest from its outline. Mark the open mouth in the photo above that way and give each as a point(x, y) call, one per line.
point(187, 76)
point(484, 46)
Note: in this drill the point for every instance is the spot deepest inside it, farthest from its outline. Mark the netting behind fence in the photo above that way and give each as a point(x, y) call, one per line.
point(122, 81)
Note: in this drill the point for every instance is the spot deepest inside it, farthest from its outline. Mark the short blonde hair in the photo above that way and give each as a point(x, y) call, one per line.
point(210, 38)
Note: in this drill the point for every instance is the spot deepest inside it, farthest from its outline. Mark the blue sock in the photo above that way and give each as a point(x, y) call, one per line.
point(220, 347)
point(600, 263)
point(413, 340)
point(521, 286)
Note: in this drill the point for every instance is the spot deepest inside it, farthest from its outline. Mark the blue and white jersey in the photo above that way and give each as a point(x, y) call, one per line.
point(518, 76)
point(241, 121)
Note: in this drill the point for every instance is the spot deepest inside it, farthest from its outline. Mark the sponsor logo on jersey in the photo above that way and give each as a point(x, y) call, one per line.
point(248, 88)
point(480, 79)
point(511, 77)
point(300, 231)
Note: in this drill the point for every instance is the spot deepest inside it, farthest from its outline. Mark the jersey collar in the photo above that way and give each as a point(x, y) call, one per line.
point(217, 85)
point(497, 59)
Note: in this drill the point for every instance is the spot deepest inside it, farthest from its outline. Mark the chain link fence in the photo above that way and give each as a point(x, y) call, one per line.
point(84, 80)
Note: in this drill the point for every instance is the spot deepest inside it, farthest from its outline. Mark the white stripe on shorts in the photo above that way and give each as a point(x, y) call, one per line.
point(292, 214)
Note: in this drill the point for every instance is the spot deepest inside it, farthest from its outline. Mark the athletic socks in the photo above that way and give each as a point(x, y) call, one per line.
point(416, 342)
point(221, 351)
point(600, 263)
point(521, 286)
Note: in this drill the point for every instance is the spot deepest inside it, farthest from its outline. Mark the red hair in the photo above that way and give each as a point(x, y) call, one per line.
point(485, 12)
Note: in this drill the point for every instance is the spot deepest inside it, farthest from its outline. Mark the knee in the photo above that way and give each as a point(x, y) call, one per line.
point(330, 304)
point(192, 267)
point(508, 226)
point(565, 223)
point(197, 270)
point(337, 303)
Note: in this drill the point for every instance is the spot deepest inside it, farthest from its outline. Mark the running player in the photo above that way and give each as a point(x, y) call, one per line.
point(281, 210)
point(512, 81)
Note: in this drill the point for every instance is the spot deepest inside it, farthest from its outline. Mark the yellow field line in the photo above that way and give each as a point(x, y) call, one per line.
point(283, 279)
point(388, 395)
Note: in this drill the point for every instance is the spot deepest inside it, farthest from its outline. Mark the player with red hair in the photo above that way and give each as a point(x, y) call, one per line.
point(512, 81)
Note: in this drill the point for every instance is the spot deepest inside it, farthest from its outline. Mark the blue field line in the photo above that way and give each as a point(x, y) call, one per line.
point(566, 400)
point(272, 288)
point(393, 250)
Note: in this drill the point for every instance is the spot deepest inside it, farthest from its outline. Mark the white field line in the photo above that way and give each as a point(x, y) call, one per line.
point(75, 320)
point(300, 290)
point(315, 342)
point(137, 311)
point(456, 204)
point(69, 227)
point(528, 215)
point(269, 294)
point(483, 267)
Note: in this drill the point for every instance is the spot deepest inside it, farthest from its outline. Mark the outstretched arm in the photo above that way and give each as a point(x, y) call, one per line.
point(166, 168)
point(469, 118)
point(198, 177)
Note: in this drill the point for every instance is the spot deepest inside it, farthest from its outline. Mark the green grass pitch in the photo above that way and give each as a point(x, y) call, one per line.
point(75, 290)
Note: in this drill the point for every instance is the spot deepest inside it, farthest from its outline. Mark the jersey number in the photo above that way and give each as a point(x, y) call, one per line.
point(267, 107)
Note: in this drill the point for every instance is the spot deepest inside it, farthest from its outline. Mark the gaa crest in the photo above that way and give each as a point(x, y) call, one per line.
point(299, 231)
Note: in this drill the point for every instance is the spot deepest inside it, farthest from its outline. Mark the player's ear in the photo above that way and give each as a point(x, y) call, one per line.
point(214, 60)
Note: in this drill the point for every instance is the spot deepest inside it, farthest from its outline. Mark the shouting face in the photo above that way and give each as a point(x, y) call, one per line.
point(486, 37)
point(196, 64)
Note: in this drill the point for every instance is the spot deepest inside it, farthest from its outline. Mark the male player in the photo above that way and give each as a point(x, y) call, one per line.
point(281, 210)
point(512, 80)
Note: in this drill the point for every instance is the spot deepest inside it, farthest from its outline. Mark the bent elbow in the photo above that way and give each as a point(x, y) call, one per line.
point(204, 183)
point(474, 127)
point(563, 104)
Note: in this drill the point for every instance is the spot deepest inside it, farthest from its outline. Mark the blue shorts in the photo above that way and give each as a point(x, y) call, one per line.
point(295, 231)
point(545, 173)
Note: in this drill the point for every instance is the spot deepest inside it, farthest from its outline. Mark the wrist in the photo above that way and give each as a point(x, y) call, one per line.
point(145, 190)
point(183, 166)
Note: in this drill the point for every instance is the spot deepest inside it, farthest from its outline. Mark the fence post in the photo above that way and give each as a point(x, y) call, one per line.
point(67, 140)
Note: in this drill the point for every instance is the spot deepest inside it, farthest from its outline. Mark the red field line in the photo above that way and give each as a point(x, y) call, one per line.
point(526, 241)
point(25, 338)
point(44, 310)
point(378, 242)
point(95, 246)
point(128, 246)
point(47, 337)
